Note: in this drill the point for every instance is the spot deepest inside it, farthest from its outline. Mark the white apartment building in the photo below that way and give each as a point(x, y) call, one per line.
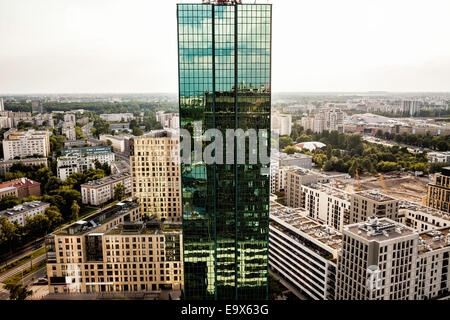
point(25, 143)
point(70, 118)
point(282, 123)
point(99, 191)
point(21, 212)
point(329, 119)
point(119, 143)
point(439, 157)
point(297, 177)
point(326, 204)
point(303, 252)
point(66, 165)
point(168, 120)
point(68, 129)
point(116, 117)
point(422, 218)
point(382, 259)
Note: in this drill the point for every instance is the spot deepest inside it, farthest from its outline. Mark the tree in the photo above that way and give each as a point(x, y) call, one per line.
point(18, 291)
point(119, 191)
point(53, 183)
point(290, 150)
point(38, 226)
point(285, 141)
point(75, 209)
point(54, 216)
point(10, 234)
point(137, 131)
point(9, 201)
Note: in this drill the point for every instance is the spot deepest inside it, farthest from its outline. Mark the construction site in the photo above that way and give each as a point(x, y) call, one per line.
point(400, 185)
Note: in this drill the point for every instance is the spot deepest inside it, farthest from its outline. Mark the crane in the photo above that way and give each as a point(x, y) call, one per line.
point(357, 179)
point(382, 182)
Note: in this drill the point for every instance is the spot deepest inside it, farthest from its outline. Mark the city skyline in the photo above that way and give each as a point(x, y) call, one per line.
point(90, 47)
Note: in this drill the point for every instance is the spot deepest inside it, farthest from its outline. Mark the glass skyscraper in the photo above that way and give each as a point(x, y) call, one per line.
point(224, 54)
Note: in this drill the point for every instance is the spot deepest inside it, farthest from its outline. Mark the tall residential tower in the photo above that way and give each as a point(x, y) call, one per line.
point(224, 50)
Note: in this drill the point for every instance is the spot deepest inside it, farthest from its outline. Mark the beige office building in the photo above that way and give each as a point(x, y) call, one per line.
point(295, 178)
point(113, 251)
point(155, 177)
point(368, 203)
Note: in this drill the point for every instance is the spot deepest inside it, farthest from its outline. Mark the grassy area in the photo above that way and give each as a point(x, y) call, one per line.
point(22, 260)
point(16, 278)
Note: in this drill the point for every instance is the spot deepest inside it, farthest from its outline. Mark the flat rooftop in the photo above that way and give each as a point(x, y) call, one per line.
point(434, 240)
point(380, 229)
point(140, 228)
point(374, 195)
point(90, 223)
point(26, 206)
point(106, 180)
point(298, 219)
point(328, 189)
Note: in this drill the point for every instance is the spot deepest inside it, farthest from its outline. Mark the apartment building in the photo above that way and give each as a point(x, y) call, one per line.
point(119, 143)
point(6, 165)
point(367, 203)
point(22, 188)
point(70, 118)
point(295, 178)
point(281, 122)
point(156, 180)
point(327, 119)
point(86, 150)
point(116, 117)
point(438, 193)
point(113, 251)
point(382, 259)
point(68, 129)
point(66, 165)
point(99, 191)
point(303, 252)
point(422, 218)
point(25, 143)
point(439, 157)
point(376, 261)
point(168, 120)
point(21, 212)
point(326, 204)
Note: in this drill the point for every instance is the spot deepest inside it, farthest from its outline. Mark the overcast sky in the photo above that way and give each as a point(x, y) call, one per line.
point(84, 46)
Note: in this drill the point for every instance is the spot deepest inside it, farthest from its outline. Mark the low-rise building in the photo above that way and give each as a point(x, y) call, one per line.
point(24, 188)
point(86, 150)
point(439, 157)
point(66, 165)
point(112, 251)
point(21, 212)
point(99, 191)
point(6, 165)
point(116, 117)
point(119, 143)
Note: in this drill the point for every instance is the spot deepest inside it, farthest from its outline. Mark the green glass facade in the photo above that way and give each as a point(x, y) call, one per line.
point(225, 83)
